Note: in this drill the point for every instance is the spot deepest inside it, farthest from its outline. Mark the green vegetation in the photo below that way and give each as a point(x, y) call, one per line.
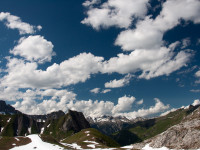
point(54, 128)
point(146, 129)
point(91, 134)
point(9, 127)
point(6, 143)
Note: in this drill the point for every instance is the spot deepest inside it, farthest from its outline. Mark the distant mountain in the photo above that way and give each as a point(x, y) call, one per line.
point(109, 124)
point(184, 135)
point(149, 128)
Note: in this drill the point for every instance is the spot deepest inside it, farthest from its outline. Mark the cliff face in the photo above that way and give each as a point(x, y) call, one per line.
point(75, 121)
point(66, 125)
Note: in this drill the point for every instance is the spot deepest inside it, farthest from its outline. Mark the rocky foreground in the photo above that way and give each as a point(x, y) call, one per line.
point(185, 135)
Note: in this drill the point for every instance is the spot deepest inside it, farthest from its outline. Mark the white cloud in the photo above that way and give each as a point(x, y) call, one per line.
point(99, 108)
point(118, 83)
point(196, 102)
point(149, 32)
point(197, 74)
point(77, 69)
point(14, 22)
point(92, 108)
point(34, 48)
point(89, 3)
point(106, 91)
point(124, 104)
point(195, 91)
point(152, 63)
point(169, 111)
point(159, 107)
point(95, 90)
point(58, 101)
point(119, 13)
point(140, 102)
point(186, 42)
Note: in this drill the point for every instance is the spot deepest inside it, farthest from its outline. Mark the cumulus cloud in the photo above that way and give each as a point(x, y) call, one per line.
point(89, 3)
point(99, 108)
point(140, 102)
point(197, 74)
point(77, 69)
point(152, 63)
point(169, 111)
point(124, 104)
point(159, 107)
point(106, 91)
point(34, 48)
point(14, 22)
point(149, 32)
point(95, 90)
point(114, 13)
point(186, 42)
point(118, 83)
point(196, 102)
point(57, 100)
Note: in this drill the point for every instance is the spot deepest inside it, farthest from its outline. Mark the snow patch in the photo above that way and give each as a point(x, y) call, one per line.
point(87, 131)
point(73, 145)
point(88, 134)
point(91, 145)
point(37, 144)
point(17, 139)
point(29, 130)
point(147, 147)
point(2, 129)
point(48, 125)
point(127, 147)
point(90, 142)
point(9, 120)
point(42, 130)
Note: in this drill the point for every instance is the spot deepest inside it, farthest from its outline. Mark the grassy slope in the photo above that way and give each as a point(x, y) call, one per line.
point(94, 135)
point(54, 128)
point(142, 131)
point(6, 143)
point(8, 126)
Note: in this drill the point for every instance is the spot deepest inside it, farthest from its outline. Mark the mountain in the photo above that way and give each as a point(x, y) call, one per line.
point(6, 109)
point(149, 128)
point(109, 124)
point(66, 125)
point(184, 135)
point(58, 124)
point(43, 118)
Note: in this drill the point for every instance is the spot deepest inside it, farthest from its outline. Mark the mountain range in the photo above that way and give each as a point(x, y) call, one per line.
point(175, 130)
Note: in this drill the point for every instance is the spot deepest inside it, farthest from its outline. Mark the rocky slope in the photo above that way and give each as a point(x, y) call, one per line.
point(185, 135)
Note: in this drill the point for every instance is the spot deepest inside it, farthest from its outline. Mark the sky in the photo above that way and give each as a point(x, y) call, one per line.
point(135, 58)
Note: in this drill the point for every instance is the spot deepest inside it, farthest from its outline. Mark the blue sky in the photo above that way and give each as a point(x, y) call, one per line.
point(110, 57)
